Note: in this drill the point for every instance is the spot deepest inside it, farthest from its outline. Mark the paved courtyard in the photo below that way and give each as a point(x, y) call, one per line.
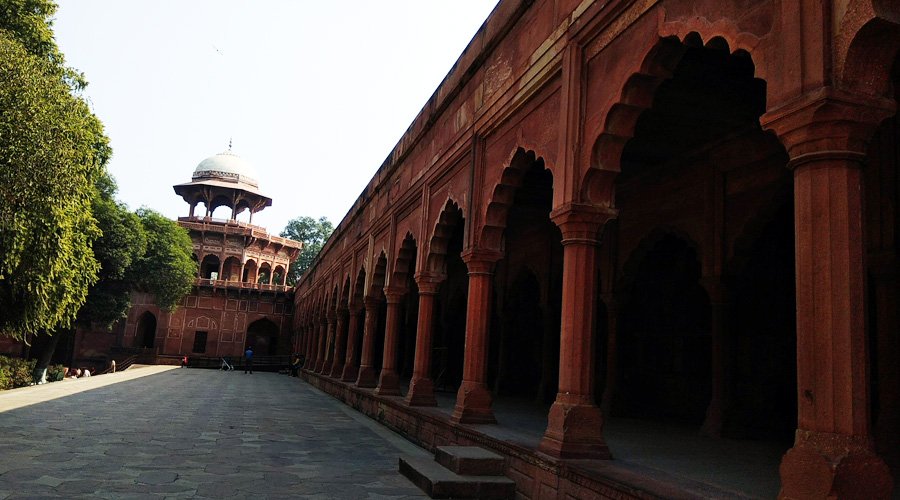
point(155, 432)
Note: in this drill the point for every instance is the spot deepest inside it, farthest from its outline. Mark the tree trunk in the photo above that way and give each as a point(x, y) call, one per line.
point(43, 360)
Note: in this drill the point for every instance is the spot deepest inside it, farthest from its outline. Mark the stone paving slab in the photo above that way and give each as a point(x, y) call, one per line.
point(158, 432)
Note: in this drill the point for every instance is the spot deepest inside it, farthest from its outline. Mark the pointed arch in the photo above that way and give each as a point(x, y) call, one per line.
point(495, 217)
point(376, 286)
point(405, 264)
point(450, 218)
point(637, 95)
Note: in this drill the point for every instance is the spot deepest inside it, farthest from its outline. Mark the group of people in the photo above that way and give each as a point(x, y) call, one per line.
point(78, 372)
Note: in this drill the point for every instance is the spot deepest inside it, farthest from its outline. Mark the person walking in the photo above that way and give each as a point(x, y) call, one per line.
point(248, 356)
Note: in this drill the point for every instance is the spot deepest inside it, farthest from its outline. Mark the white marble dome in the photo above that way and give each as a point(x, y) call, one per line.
point(226, 166)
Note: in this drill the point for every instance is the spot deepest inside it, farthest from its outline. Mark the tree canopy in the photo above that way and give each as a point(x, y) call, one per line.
point(313, 233)
point(166, 269)
point(123, 242)
point(68, 249)
point(52, 153)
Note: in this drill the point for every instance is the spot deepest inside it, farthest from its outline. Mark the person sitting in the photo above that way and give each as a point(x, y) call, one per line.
point(86, 373)
point(295, 365)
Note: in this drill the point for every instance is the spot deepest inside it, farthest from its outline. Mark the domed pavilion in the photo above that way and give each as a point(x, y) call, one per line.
point(230, 252)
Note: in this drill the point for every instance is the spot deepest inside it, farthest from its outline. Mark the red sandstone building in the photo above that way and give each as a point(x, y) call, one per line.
point(661, 214)
point(240, 297)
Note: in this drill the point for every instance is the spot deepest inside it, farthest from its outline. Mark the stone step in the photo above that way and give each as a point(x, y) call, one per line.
point(470, 460)
point(439, 482)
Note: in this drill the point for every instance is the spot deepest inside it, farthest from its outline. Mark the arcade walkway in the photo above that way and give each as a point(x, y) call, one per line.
point(154, 432)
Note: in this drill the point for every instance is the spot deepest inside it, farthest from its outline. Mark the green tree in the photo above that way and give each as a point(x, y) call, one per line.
point(122, 243)
point(166, 269)
point(313, 233)
point(52, 153)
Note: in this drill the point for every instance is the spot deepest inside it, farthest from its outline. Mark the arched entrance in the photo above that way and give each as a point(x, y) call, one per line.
point(664, 337)
point(524, 353)
point(262, 335)
point(146, 330)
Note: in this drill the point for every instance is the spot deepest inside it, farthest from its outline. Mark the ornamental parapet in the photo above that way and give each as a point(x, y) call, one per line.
point(238, 285)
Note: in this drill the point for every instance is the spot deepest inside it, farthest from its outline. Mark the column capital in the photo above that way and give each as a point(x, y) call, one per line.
point(394, 294)
point(371, 302)
point(428, 282)
point(480, 260)
point(581, 222)
point(827, 123)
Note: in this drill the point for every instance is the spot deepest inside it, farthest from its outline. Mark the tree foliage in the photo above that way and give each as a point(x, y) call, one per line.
point(52, 154)
point(166, 269)
point(123, 242)
point(313, 233)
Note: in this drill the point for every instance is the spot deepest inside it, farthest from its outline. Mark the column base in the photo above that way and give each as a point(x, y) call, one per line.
point(388, 384)
point(349, 374)
point(574, 431)
point(473, 405)
point(336, 370)
point(367, 377)
point(824, 465)
point(421, 393)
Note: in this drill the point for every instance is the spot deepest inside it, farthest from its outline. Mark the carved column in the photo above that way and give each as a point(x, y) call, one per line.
point(833, 455)
point(367, 364)
point(351, 361)
point(309, 333)
point(712, 424)
point(331, 318)
point(612, 353)
point(340, 343)
point(473, 401)
point(322, 333)
point(575, 424)
point(388, 381)
point(421, 387)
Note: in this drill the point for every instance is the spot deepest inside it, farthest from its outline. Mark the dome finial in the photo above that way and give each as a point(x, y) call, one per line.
point(229, 144)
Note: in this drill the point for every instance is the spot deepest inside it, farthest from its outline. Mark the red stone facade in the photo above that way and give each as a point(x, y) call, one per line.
point(672, 210)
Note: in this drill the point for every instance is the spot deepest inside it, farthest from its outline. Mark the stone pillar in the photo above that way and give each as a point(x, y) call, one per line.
point(833, 456)
point(340, 342)
point(575, 423)
point(322, 333)
point(351, 362)
point(473, 401)
point(388, 381)
point(331, 317)
point(367, 375)
point(421, 387)
point(712, 424)
point(310, 346)
point(612, 353)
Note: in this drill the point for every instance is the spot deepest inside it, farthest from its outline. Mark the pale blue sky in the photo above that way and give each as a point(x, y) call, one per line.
point(314, 93)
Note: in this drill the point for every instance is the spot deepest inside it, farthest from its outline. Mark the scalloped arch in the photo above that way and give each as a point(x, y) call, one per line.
point(639, 90)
